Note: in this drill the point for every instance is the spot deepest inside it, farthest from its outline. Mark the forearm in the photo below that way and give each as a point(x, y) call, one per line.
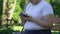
point(42, 23)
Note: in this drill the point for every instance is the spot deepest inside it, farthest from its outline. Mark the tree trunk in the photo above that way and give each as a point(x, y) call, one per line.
point(11, 11)
point(3, 13)
point(7, 12)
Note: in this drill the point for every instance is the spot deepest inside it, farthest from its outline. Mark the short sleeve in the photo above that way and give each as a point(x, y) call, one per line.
point(47, 10)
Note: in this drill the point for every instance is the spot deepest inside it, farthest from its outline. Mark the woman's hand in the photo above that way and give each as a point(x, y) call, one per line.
point(29, 18)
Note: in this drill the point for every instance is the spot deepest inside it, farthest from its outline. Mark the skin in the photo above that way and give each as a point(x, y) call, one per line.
point(34, 2)
point(22, 20)
point(48, 23)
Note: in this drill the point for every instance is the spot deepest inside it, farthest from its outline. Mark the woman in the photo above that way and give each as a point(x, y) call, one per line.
point(39, 17)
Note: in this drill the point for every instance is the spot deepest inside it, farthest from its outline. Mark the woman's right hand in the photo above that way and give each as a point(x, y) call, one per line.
point(23, 21)
point(22, 18)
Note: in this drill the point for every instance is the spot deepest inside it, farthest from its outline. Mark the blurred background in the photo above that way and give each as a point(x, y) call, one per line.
point(10, 19)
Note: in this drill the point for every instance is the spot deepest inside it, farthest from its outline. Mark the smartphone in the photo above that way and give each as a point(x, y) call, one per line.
point(23, 15)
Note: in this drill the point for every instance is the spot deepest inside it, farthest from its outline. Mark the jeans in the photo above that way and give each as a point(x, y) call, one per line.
point(46, 31)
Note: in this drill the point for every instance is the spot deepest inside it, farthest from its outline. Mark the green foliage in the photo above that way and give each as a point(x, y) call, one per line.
point(1, 7)
point(56, 6)
point(16, 17)
point(6, 31)
point(54, 32)
point(9, 3)
point(23, 3)
point(48, 0)
point(17, 11)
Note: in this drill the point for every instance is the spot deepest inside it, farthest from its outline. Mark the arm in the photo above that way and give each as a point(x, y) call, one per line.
point(48, 22)
point(48, 17)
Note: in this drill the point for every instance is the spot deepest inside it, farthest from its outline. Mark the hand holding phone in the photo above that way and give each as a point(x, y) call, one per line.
point(23, 15)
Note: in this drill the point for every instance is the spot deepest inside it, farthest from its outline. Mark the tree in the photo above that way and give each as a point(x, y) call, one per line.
point(8, 9)
point(56, 6)
point(3, 15)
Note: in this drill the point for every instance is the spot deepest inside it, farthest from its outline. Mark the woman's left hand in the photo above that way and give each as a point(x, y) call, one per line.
point(29, 18)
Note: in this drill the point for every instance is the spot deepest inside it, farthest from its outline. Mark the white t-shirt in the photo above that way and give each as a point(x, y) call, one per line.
point(37, 11)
